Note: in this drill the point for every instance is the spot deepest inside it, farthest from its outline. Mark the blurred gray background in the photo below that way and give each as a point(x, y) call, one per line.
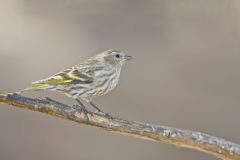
point(185, 73)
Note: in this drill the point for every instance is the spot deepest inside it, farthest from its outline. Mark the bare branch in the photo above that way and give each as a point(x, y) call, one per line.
point(215, 146)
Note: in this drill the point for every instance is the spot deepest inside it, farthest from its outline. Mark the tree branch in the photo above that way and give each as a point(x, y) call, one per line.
point(215, 146)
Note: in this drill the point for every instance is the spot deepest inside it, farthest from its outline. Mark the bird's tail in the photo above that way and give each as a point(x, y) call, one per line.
point(36, 86)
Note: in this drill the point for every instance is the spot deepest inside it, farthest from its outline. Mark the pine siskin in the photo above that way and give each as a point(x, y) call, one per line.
point(93, 77)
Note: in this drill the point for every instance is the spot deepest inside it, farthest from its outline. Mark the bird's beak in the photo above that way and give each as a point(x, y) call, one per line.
point(128, 57)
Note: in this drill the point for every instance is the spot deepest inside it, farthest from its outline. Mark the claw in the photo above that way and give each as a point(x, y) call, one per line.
point(103, 114)
point(81, 109)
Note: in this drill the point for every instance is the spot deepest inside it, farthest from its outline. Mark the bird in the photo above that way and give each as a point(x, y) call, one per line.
point(91, 78)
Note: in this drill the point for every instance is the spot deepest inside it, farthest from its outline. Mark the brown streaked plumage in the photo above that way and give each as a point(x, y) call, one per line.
point(93, 77)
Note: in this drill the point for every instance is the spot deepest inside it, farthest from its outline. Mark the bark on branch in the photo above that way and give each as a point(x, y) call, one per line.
point(215, 146)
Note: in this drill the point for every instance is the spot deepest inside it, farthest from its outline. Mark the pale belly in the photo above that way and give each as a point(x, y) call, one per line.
point(103, 87)
point(98, 88)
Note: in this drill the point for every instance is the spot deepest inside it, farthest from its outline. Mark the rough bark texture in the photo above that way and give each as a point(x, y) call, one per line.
point(215, 146)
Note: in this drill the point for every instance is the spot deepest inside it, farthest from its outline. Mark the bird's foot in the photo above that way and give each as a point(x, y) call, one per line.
point(103, 113)
point(80, 108)
point(17, 93)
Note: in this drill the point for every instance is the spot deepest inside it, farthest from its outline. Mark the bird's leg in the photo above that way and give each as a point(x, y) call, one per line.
point(98, 110)
point(81, 108)
point(95, 106)
point(81, 105)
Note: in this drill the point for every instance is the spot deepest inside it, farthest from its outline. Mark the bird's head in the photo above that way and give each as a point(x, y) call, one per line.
point(115, 57)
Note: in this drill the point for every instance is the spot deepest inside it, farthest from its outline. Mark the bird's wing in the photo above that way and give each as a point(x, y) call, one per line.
point(83, 73)
point(70, 76)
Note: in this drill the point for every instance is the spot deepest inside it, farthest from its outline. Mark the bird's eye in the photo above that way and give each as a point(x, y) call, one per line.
point(117, 55)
